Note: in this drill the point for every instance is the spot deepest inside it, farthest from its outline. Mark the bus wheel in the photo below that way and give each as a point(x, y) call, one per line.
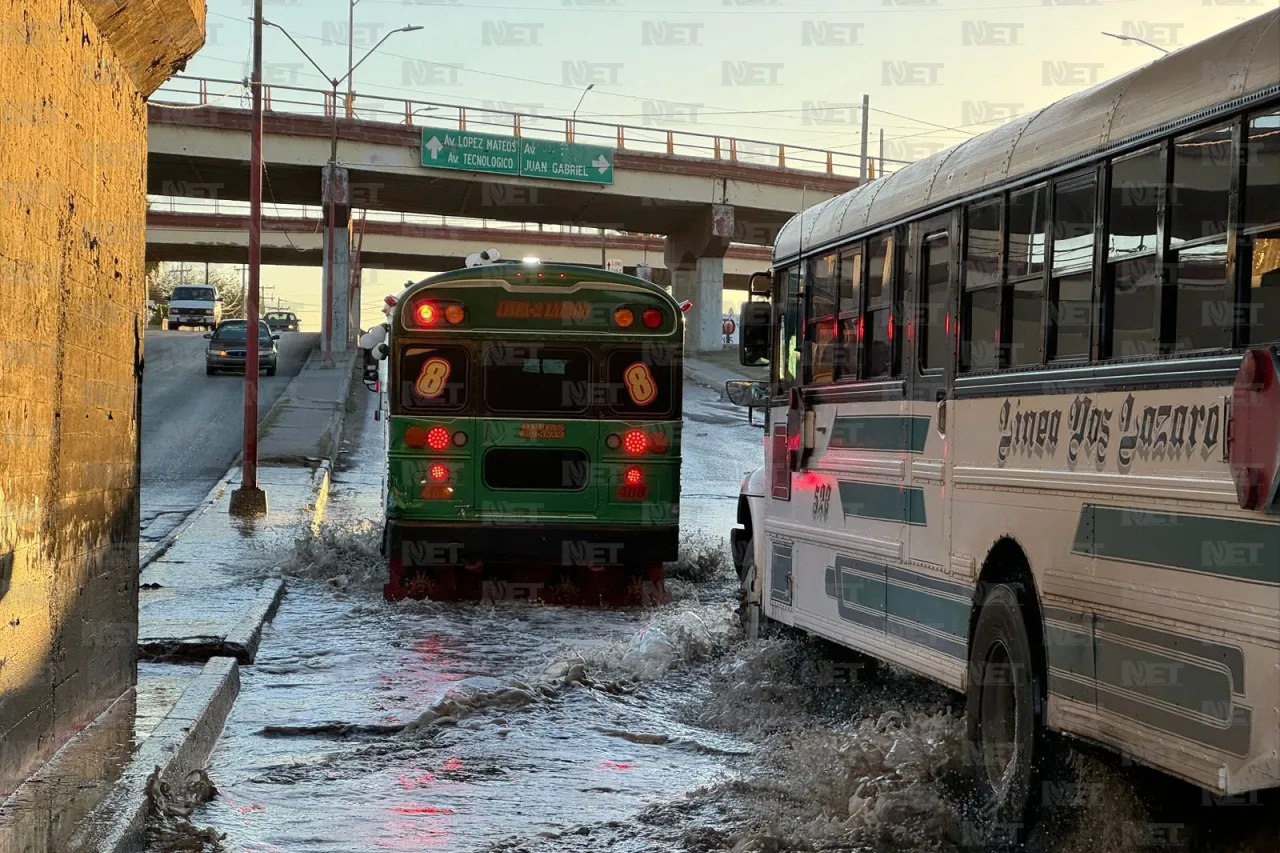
point(748, 613)
point(1002, 728)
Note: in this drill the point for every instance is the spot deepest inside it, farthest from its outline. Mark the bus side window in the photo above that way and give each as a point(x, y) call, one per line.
point(820, 321)
point(879, 323)
point(1071, 287)
point(1260, 252)
point(850, 316)
point(933, 321)
point(786, 367)
point(1026, 274)
point(980, 297)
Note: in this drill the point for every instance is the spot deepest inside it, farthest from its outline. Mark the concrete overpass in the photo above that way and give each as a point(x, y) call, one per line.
point(222, 238)
point(700, 203)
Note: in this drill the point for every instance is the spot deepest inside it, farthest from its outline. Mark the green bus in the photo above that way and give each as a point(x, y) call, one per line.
point(532, 429)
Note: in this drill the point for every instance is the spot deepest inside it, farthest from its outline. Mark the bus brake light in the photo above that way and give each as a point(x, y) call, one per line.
point(635, 442)
point(633, 476)
point(652, 318)
point(438, 438)
point(425, 314)
point(439, 472)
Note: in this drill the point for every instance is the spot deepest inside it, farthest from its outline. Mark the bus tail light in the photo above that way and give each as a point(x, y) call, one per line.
point(657, 441)
point(454, 314)
point(425, 314)
point(459, 439)
point(438, 472)
point(438, 438)
point(635, 442)
point(652, 318)
point(633, 486)
point(1253, 437)
point(623, 317)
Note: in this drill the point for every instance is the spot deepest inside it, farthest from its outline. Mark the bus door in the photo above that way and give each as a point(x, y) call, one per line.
point(933, 268)
point(535, 456)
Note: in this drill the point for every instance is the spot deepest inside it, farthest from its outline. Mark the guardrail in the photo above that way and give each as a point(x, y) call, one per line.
point(178, 204)
point(200, 92)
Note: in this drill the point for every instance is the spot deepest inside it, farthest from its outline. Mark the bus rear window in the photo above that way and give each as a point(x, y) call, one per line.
point(535, 378)
point(642, 381)
point(434, 379)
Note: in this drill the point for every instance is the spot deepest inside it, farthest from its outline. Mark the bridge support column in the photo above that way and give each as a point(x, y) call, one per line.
point(335, 308)
point(695, 257)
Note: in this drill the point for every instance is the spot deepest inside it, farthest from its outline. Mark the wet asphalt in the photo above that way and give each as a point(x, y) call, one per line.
point(193, 424)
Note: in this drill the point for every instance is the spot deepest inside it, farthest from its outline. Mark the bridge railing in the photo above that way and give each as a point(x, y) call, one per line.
point(197, 92)
point(315, 214)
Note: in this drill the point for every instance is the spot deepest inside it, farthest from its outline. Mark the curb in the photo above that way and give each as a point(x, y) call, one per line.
point(240, 643)
point(181, 743)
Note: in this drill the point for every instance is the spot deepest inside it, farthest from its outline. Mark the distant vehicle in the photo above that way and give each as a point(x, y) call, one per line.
point(195, 305)
point(228, 347)
point(282, 321)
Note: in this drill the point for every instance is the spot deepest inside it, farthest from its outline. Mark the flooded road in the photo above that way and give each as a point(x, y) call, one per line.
point(517, 728)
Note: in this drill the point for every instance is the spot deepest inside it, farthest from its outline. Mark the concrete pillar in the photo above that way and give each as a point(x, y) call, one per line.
point(695, 257)
point(340, 292)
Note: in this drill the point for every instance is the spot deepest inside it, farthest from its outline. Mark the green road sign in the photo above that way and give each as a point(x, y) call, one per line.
point(509, 155)
point(566, 161)
point(470, 152)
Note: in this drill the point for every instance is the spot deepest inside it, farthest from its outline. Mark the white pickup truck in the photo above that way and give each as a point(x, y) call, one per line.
point(197, 305)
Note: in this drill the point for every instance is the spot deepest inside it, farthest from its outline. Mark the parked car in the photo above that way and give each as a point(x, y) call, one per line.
point(195, 305)
point(282, 321)
point(227, 348)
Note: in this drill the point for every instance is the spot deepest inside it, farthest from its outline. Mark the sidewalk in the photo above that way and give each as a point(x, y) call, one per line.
point(713, 369)
point(202, 600)
point(196, 600)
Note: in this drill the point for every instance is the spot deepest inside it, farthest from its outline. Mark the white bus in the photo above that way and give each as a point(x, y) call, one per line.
point(1024, 424)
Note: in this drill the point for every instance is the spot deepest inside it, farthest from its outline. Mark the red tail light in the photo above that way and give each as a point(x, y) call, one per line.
point(633, 487)
point(633, 476)
point(1253, 447)
point(425, 314)
point(439, 472)
point(438, 438)
point(635, 442)
point(652, 318)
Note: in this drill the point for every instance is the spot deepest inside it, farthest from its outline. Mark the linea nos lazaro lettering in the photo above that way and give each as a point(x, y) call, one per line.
point(1167, 431)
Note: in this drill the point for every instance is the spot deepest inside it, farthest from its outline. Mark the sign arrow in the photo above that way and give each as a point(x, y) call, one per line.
point(434, 147)
point(601, 164)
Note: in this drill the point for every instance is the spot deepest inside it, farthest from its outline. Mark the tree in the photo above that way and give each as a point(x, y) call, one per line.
point(226, 281)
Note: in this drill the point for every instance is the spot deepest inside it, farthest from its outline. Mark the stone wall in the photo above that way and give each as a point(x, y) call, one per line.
point(72, 235)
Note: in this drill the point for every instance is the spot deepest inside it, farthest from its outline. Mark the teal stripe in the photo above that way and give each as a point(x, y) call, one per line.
point(929, 609)
point(863, 591)
point(880, 432)
point(1236, 548)
point(1165, 679)
point(882, 501)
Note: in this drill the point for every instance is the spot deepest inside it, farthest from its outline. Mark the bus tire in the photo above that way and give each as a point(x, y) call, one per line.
point(749, 617)
point(1002, 728)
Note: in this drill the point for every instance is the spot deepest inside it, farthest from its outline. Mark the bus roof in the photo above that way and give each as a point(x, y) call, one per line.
point(1128, 109)
point(508, 270)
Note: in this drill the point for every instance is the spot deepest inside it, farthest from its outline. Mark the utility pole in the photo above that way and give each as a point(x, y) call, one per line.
point(866, 124)
point(880, 170)
point(351, 45)
point(249, 500)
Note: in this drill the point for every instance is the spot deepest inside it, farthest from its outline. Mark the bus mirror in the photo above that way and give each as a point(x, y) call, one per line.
point(754, 333)
point(760, 284)
point(749, 393)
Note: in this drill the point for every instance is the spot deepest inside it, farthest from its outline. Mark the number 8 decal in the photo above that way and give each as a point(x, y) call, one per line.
point(640, 384)
point(430, 382)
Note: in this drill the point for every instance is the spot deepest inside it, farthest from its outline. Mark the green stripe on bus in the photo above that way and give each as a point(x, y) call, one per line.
point(1235, 548)
point(883, 501)
point(1165, 679)
point(880, 432)
point(929, 609)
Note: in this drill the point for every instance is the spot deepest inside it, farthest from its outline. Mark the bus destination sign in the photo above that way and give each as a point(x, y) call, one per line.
point(513, 309)
point(492, 154)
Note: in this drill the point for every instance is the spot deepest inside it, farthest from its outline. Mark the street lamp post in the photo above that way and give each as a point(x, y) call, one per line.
point(332, 212)
point(573, 122)
point(1138, 40)
point(249, 500)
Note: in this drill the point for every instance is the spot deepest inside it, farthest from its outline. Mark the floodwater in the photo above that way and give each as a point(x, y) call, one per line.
point(520, 728)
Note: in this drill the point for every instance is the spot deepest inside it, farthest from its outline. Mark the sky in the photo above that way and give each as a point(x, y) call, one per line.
point(794, 71)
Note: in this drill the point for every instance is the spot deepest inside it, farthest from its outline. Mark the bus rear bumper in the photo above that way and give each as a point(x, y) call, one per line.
point(425, 545)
